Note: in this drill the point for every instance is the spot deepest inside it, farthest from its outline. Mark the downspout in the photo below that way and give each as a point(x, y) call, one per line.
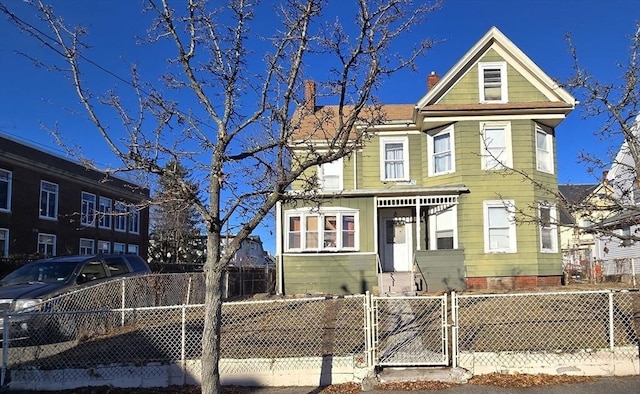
point(280, 238)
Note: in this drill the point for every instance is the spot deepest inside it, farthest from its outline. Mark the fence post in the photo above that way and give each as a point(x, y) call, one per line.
point(611, 338)
point(123, 303)
point(189, 290)
point(184, 341)
point(5, 346)
point(454, 330)
point(368, 332)
point(633, 271)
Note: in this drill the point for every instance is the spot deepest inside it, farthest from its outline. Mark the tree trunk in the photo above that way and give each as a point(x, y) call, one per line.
point(212, 319)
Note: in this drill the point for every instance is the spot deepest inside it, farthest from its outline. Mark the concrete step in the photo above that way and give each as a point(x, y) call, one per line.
point(396, 283)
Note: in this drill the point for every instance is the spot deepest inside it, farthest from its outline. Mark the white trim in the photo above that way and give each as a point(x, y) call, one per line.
point(120, 216)
point(105, 242)
point(509, 206)
point(119, 251)
point(396, 132)
point(549, 142)
point(81, 247)
point(491, 118)
point(105, 216)
point(305, 213)
point(430, 151)
point(405, 158)
point(89, 211)
point(552, 227)
point(504, 90)
point(337, 164)
point(433, 226)
point(4, 252)
point(496, 40)
point(55, 242)
point(55, 194)
point(506, 156)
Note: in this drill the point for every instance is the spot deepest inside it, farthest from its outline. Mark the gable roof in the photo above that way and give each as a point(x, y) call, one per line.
point(558, 98)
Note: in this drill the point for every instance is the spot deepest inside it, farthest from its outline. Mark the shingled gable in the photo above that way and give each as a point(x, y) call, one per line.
point(557, 104)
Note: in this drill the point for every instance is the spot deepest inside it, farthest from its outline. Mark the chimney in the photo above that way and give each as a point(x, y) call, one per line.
point(432, 80)
point(309, 95)
point(605, 174)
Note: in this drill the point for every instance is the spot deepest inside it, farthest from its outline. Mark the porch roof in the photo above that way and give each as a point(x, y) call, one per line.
point(419, 191)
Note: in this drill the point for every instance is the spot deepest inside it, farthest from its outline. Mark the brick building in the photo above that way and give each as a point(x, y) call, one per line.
point(51, 206)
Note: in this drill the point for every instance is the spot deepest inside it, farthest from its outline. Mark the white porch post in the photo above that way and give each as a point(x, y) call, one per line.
point(418, 239)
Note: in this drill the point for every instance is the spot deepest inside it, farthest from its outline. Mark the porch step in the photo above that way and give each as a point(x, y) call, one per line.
point(396, 283)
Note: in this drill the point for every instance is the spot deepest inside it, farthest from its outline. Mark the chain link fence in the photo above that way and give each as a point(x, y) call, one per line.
point(151, 327)
point(410, 330)
point(509, 331)
point(157, 321)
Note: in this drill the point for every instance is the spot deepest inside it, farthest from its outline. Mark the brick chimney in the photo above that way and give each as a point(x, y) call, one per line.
point(605, 174)
point(432, 79)
point(309, 95)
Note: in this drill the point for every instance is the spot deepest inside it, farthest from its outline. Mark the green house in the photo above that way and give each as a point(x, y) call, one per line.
point(435, 199)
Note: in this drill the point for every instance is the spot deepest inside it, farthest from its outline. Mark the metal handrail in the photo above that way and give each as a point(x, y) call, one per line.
point(415, 264)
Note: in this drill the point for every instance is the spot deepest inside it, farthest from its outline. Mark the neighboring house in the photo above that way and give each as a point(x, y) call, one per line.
point(581, 212)
point(51, 206)
point(425, 203)
point(250, 254)
point(621, 255)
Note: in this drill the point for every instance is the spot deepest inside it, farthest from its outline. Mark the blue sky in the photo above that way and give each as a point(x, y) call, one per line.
point(32, 97)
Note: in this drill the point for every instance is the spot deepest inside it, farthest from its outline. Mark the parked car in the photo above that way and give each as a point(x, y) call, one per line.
point(28, 286)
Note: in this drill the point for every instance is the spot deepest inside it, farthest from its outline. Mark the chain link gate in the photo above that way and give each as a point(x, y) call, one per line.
point(409, 331)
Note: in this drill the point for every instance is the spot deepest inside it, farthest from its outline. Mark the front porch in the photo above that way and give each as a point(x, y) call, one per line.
point(417, 244)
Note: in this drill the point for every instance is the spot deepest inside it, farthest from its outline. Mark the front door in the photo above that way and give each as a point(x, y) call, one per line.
point(396, 242)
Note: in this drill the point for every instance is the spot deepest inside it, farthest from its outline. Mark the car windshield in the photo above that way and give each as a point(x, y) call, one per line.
point(40, 271)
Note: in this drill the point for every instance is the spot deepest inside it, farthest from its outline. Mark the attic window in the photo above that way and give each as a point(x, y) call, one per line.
point(493, 82)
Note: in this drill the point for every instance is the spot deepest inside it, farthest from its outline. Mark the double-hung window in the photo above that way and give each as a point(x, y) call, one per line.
point(119, 248)
point(493, 82)
point(88, 209)
point(330, 176)
point(134, 220)
point(46, 244)
point(48, 200)
point(133, 249)
point(395, 159)
point(86, 246)
point(443, 227)
point(4, 242)
point(120, 217)
point(104, 247)
point(5, 190)
point(327, 230)
point(105, 212)
point(544, 150)
point(495, 145)
point(441, 152)
point(499, 227)
point(548, 228)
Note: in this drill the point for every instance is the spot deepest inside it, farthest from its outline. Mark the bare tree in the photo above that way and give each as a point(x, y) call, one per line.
point(228, 110)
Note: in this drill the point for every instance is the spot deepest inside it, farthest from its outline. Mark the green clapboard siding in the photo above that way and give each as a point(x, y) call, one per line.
point(466, 89)
point(329, 273)
point(442, 270)
point(364, 205)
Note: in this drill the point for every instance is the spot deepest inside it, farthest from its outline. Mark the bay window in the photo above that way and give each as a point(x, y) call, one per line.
point(326, 230)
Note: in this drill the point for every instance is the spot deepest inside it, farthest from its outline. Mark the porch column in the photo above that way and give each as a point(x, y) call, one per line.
point(418, 240)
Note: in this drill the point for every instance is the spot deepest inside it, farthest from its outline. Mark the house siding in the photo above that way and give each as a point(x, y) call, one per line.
point(333, 273)
point(466, 89)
